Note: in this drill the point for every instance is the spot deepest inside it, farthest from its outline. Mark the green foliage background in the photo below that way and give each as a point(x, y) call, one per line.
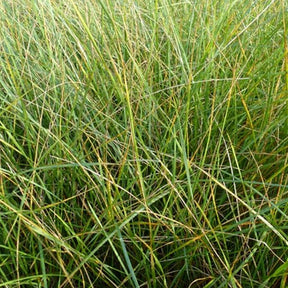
point(143, 143)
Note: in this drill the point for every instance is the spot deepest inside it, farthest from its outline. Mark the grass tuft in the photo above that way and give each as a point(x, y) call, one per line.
point(143, 143)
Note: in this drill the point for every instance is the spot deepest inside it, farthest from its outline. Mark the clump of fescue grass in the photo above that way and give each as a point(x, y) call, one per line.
point(143, 143)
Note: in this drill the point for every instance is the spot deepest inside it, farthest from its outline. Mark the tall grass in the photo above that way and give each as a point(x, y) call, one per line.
point(143, 143)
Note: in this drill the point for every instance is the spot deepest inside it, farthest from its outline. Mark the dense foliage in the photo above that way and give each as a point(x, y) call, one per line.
point(143, 143)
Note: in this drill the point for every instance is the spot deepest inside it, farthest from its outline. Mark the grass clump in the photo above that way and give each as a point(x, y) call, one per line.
point(143, 143)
